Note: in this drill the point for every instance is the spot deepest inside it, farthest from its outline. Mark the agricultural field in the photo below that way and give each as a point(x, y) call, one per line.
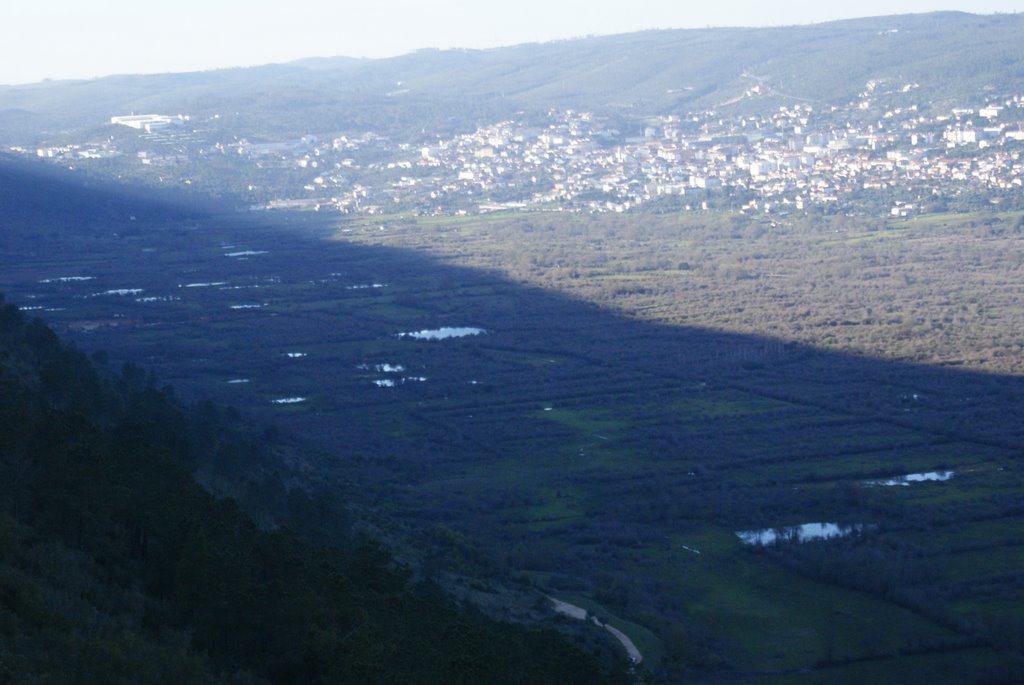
point(595, 407)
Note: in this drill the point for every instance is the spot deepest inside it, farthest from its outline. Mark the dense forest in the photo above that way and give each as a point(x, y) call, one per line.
point(117, 567)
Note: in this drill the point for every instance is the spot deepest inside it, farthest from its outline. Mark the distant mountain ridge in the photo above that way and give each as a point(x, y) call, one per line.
point(951, 57)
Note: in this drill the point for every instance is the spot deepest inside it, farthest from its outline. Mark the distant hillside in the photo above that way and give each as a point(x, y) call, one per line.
point(953, 57)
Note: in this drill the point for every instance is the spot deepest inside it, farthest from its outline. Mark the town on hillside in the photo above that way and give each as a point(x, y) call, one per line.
point(859, 157)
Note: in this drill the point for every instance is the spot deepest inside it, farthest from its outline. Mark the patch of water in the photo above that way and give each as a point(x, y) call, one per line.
point(238, 381)
point(120, 292)
point(247, 306)
point(394, 383)
point(246, 253)
point(68, 279)
point(145, 300)
point(203, 285)
point(443, 333)
point(802, 533)
point(382, 368)
point(905, 481)
point(289, 400)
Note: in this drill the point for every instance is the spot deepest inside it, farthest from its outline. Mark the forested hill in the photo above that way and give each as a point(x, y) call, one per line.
point(115, 566)
point(948, 58)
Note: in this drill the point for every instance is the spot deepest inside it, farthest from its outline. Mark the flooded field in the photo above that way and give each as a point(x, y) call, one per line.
point(806, 532)
point(443, 333)
point(907, 480)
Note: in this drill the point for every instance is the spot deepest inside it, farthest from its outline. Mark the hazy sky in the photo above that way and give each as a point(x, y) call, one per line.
point(89, 38)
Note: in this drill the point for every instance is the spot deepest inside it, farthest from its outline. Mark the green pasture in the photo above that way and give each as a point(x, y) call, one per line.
point(983, 563)
point(727, 405)
point(557, 508)
point(590, 422)
point(938, 667)
point(771, 619)
point(523, 358)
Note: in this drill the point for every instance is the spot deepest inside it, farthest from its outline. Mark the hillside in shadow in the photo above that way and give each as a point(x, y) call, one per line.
point(572, 449)
point(117, 567)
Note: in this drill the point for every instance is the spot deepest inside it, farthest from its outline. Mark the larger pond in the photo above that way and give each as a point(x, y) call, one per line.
point(806, 532)
point(443, 333)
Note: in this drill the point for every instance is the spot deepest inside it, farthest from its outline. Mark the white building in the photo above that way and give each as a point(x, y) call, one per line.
point(148, 122)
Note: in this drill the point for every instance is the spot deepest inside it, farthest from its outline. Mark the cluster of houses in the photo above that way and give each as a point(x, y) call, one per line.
point(793, 158)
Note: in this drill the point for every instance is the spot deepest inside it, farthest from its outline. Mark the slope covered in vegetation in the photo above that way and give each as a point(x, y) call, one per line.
point(115, 566)
point(951, 56)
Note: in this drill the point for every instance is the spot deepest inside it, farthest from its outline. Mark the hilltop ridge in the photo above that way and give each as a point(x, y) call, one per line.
point(950, 54)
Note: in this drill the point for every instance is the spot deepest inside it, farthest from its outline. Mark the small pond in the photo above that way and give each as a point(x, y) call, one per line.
point(905, 481)
point(382, 368)
point(806, 532)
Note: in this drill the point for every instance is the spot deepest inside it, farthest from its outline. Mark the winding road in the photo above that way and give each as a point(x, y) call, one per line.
point(580, 614)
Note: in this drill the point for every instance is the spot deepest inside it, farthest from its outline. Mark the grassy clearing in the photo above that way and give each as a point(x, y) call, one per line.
point(977, 534)
point(589, 422)
point(983, 563)
point(525, 358)
point(921, 669)
point(864, 238)
point(883, 463)
point(557, 508)
point(703, 408)
point(396, 312)
point(774, 620)
point(1005, 608)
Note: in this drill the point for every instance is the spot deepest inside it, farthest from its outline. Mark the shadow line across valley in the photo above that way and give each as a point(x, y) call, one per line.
point(602, 458)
